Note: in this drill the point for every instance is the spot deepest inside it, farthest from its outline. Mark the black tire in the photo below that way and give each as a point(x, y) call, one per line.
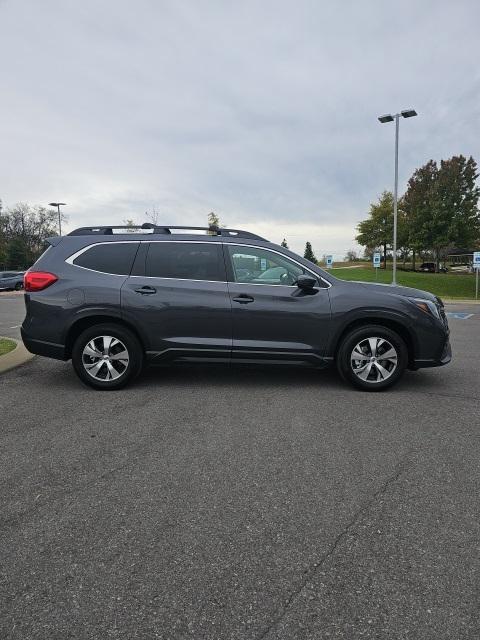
point(345, 365)
point(128, 372)
point(18, 286)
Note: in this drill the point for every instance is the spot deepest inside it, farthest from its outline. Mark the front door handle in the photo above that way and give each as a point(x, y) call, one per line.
point(243, 298)
point(146, 290)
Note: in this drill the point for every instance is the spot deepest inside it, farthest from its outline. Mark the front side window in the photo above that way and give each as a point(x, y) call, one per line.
point(260, 266)
point(185, 261)
point(113, 257)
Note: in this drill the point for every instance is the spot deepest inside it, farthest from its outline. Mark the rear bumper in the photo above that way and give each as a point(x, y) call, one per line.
point(43, 348)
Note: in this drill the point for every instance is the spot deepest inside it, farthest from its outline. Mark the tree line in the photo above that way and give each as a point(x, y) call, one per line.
point(437, 214)
point(23, 231)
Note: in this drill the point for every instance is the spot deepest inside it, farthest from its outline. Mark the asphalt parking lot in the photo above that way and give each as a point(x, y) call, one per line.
point(240, 503)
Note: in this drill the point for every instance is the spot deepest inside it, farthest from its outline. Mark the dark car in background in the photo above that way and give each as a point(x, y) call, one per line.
point(11, 280)
point(112, 300)
point(431, 267)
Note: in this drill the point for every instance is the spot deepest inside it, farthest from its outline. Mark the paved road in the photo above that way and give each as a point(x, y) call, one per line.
point(12, 312)
point(241, 504)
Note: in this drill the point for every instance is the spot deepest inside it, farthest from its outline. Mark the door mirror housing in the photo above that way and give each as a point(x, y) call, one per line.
point(306, 282)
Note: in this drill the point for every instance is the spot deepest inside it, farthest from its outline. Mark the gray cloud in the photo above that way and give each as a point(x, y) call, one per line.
point(264, 112)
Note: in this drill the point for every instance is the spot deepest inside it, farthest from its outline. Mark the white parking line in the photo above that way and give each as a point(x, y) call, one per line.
point(16, 326)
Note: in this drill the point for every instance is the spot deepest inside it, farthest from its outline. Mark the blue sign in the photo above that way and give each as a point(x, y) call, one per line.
point(476, 260)
point(459, 315)
point(329, 261)
point(376, 260)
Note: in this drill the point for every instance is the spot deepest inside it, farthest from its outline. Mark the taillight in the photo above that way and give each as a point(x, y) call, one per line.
point(38, 280)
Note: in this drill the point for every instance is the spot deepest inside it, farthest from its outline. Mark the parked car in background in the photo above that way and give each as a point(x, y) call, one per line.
point(11, 280)
point(430, 267)
point(111, 301)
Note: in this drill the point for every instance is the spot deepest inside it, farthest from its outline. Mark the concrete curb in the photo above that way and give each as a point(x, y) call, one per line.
point(464, 301)
point(14, 358)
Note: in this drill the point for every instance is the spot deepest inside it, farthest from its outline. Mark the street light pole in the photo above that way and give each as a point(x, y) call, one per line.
point(408, 113)
point(395, 203)
point(58, 205)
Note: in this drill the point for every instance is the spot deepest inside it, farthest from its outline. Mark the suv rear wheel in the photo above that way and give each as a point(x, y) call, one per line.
point(372, 357)
point(107, 356)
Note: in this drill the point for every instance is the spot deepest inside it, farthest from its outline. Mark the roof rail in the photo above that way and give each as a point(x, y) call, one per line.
point(107, 230)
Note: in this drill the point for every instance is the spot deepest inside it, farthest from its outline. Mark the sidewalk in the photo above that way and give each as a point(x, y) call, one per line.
point(14, 358)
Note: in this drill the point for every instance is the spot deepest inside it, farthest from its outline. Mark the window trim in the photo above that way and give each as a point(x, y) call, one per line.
point(74, 256)
point(78, 253)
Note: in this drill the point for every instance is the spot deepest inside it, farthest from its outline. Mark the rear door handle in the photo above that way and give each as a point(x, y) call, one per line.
point(243, 298)
point(146, 290)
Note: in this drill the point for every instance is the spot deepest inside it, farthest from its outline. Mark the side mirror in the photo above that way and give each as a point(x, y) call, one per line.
point(306, 282)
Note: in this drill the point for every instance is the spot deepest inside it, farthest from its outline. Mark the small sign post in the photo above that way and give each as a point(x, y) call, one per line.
point(376, 263)
point(329, 262)
point(476, 266)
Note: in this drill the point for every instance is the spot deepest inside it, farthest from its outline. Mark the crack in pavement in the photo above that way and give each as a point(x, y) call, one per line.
point(311, 571)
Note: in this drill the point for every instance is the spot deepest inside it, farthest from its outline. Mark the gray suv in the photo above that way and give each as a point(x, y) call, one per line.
point(112, 300)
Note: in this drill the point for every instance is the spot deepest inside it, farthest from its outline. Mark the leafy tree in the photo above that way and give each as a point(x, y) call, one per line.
point(377, 229)
point(284, 243)
point(456, 205)
point(309, 255)
point(23, 230)
point(419, 205)
point(213, 219)
point(17, 256)
point(441, 205)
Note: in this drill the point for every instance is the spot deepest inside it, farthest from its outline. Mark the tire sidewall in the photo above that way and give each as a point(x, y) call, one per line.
point(131, 343)
point(353, 338)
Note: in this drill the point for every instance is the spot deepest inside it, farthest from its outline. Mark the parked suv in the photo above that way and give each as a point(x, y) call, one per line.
point(112, 300)
point(11, 280)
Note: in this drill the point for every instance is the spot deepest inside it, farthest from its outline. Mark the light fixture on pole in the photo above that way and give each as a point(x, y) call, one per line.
point(58, 205)
point(407, 113)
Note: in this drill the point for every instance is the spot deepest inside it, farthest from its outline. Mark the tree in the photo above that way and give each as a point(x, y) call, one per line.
point(130, 224)
point(441, 205)
point(351, 256)
point(213, 219)
point(377, 229)
point(153, 215)
point(17, 254)
point(309, 255)
point(23, 230)
point(419, 206)
point(456, 205)
point(284, 243)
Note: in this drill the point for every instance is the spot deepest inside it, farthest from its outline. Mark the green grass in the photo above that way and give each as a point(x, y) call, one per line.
point(445, 285)
point(6, 346)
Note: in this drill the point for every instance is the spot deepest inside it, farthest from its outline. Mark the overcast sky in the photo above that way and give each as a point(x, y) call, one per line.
point(264, 111)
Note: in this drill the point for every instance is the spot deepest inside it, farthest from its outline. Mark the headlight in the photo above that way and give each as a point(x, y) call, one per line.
point(427, 306)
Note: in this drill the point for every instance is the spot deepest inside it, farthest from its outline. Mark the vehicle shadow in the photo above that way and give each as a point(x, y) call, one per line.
point(255, 376)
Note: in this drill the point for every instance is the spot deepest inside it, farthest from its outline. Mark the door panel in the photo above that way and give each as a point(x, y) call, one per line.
point(275, 322)
point(181, 317)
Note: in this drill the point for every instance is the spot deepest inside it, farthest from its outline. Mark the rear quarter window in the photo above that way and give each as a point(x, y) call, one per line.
point(113, 257)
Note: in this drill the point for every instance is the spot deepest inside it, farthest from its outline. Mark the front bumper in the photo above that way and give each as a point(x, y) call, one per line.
point(444, 358)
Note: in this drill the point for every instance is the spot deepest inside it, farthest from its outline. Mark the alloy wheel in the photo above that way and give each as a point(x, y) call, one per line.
point(105, 358)
point(374, 360)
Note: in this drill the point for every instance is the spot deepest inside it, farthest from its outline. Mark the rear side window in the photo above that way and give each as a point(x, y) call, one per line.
point(185, 260)
point(112, 257)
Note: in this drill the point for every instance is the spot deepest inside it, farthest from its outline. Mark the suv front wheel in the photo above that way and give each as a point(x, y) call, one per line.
point(372, 357)
point(107, 356)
